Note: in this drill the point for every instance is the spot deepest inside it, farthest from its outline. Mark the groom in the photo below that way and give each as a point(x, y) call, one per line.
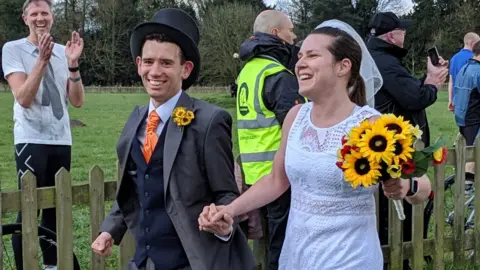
point(174, 162)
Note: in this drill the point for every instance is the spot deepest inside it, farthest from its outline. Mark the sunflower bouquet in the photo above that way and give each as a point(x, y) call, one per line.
point(384, 149)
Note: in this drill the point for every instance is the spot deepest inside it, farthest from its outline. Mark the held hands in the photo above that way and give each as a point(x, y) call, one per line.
point(396, 189)
point(437, 75)
point(216, 219)
point(103, 244)
point(74, 48)
point(45, 47)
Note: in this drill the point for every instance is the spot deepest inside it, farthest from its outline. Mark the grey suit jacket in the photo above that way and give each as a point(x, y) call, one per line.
point(198, 170)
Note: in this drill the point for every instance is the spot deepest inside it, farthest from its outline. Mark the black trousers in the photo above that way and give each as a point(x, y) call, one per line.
point(43, 161)
point(276, 214)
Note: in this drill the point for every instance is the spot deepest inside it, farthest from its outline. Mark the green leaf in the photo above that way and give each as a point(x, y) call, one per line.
point(421, 167)
point(441, 142)
point(417, 156)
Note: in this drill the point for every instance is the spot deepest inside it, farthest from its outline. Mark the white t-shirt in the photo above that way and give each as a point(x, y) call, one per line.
point(37, 124)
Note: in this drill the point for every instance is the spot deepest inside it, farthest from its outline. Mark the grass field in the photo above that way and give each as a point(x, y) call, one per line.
point(94, 144)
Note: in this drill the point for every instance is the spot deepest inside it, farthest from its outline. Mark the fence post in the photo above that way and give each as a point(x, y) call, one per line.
point(395, 239)
point(29, 220)
point(417, 227)
point(1, 232)
point(127, 246)
point(439, 216)
point(63, 206)
point(459, 200)
point(97, 212)
point(477, 203)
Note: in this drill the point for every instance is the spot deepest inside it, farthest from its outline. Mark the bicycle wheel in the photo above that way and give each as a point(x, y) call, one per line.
point(45, 235)
point(449, 205)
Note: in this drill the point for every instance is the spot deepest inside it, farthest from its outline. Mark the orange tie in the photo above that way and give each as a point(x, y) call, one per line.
point(151, 135)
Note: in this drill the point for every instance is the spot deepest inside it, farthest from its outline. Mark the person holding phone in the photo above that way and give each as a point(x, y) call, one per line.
point(401, 94)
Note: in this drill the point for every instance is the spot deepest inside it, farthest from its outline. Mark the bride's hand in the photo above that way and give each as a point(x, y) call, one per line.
point(395, 189)
point(220, 227)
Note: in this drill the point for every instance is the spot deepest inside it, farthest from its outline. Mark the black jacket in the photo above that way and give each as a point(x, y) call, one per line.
point(401, 93)
point(280, 91)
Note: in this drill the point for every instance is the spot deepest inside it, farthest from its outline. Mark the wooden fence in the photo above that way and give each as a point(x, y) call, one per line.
point(141, 89)
point(94, 193)
point(137, 89)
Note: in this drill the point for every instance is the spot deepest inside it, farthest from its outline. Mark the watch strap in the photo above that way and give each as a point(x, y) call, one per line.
point(413, 187)
point(73, 69)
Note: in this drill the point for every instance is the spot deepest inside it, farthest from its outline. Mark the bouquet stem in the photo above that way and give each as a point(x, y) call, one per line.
point(399, 207)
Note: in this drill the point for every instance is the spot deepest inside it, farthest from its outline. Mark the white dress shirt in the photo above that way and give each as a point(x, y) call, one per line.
point(164, 111)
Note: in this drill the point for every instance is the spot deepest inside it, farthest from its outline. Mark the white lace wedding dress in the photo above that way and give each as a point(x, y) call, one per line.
point(331, 226)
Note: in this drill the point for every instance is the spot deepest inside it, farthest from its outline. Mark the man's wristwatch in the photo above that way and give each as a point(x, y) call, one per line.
point(73, 69)
point(413, 187)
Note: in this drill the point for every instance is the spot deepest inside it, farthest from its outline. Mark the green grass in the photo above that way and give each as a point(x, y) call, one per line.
point(94, 144)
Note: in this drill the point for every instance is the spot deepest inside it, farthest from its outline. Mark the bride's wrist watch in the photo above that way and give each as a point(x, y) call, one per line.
point(413, 187)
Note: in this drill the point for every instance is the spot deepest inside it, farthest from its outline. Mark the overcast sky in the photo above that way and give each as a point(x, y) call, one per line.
point(408, 3)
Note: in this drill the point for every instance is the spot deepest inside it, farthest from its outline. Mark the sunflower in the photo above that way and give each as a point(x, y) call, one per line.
point(357, 132)
point(179, 112)
point(182, 117)
point(384, 174)
point(378, 144)
point(358, 170)
point(190, 115)
point(396, 124)
point(395, 171)
point(403, 150)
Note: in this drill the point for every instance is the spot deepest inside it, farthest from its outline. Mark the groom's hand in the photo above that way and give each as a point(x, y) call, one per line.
point(221, 227)
point(103, 244)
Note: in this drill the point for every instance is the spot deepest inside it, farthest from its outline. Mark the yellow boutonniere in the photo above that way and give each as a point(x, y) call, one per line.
point(182, 117)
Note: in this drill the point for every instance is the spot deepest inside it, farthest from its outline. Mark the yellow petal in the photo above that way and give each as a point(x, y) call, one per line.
point(438, 154)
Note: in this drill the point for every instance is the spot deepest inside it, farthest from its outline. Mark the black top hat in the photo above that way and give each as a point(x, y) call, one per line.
point(385, 22)
point(178, 26)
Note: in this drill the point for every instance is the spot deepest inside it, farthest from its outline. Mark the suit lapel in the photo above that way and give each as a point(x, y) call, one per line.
point(131, 132)
point(173, 139)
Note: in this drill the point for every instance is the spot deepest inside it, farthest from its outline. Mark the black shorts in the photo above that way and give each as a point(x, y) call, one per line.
point(470, 133)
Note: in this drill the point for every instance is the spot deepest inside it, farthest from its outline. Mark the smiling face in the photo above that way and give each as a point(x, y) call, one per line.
point(162, 69)
point(316, 67)
point(38, 17)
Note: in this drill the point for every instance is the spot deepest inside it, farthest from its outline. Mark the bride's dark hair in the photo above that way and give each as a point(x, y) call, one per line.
point(344, 46)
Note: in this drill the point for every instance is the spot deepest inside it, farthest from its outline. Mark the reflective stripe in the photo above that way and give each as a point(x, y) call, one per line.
point(258, 157)
point(261, 121)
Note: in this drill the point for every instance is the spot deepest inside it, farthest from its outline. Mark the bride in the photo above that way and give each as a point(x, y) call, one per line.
point(330, 225)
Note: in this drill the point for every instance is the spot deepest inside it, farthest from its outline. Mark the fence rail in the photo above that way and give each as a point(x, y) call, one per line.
point(137, 89)
point(97, 191)
point(141, 89)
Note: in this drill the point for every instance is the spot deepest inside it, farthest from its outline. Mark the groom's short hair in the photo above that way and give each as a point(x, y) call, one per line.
point(165, 38)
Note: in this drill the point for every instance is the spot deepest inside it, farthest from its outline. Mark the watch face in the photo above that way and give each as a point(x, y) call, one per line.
point(415, 186)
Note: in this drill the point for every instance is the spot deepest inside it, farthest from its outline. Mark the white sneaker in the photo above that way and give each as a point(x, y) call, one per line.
point(51, 267)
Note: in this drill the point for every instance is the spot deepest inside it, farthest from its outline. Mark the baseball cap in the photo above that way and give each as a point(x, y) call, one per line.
point(385, 22)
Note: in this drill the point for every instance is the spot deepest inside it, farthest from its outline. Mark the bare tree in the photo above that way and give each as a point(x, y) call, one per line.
point(223, 29)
